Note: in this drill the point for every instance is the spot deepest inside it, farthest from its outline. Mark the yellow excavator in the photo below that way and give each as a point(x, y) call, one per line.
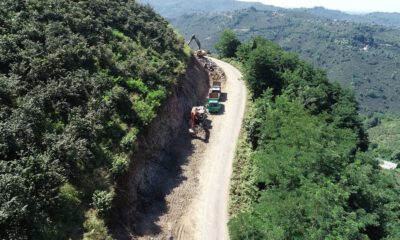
point(200, 52)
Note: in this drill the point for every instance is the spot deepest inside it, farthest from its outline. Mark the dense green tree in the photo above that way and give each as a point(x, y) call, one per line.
point(227, 44)
point(265, 65)
point(79, 80)
point(311, 185)
point(308, 175)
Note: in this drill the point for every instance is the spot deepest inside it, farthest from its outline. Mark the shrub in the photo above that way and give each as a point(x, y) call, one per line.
point(101, 201)
point(120, 165)
point(128, 142)
point(95, 228)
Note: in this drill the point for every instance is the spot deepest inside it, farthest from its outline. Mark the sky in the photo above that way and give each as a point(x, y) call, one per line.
point(361, 6)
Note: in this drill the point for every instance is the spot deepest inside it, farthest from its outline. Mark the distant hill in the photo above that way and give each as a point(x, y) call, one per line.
point(378, 18)
point(360, 56)
point(387, 19)
point(176, 8)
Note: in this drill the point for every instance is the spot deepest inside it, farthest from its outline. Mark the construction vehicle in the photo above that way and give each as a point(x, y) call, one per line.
point(200, 52)
point(213, 104)
point(214, 97)
point(216, 86)
point(198, 116)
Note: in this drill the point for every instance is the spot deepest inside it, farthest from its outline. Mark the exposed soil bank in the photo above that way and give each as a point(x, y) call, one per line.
point(162, 150)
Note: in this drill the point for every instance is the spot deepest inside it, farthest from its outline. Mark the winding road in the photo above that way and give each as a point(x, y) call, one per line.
point(197, 208)
point(213, 199)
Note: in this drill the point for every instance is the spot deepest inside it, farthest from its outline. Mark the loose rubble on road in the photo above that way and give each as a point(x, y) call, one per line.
point(215, 72)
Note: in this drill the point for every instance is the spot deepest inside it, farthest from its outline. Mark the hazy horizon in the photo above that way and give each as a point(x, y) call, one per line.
point(355, 6)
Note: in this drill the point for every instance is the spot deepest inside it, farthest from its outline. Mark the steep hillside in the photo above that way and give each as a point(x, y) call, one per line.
point(80, 82)
point(303, 169)
point(362, 57)
point(164, 148)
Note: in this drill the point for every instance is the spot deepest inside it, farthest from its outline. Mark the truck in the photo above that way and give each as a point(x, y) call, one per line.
point(213, 103)
point(216, 86)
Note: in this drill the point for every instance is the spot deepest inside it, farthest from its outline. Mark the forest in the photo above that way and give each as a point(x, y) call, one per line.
point(303, 167)
point(79, 81)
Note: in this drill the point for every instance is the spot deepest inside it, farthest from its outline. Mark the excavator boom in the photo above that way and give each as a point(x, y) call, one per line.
point(196, 40)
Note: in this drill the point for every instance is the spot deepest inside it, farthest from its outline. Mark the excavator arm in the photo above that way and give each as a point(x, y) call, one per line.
point(200, 52)
point(196, 40)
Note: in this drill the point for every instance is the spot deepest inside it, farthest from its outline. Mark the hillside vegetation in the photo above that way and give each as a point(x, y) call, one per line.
point(303, 169)
point(79, 81)
point(384, 134)
point(359, 56)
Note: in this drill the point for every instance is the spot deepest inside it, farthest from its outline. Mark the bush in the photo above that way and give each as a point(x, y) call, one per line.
point(120, 165)
point(102, 201)
point(128, 142)
point(95, 227)
point(144, 111)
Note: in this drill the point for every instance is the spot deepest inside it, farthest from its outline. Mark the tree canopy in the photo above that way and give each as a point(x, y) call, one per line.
point(227, 44)
point(79, 80)
point(304, 170)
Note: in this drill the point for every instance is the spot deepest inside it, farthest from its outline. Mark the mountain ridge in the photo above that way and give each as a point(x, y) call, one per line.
point(170, 10)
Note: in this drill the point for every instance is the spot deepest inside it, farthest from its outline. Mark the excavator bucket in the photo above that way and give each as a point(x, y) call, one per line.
point(201, 53)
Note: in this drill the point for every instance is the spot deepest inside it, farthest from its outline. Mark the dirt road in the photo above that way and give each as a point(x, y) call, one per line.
point(207, 215)
point(215, 175)
point(196, 207)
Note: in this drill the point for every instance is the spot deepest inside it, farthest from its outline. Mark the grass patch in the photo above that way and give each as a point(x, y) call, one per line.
point(242, 180)
point(385, 139)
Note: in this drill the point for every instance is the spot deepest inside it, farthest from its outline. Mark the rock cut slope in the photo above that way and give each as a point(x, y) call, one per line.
point(197, 206)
